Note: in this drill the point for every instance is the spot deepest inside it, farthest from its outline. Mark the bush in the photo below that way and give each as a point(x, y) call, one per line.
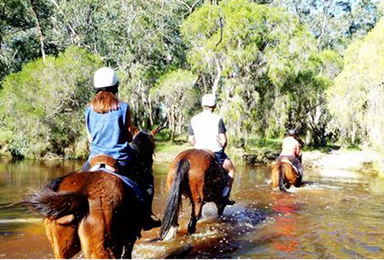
point(42, 105)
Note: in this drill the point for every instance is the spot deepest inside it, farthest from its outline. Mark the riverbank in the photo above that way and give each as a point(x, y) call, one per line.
point(332, 161)
point(342, 160)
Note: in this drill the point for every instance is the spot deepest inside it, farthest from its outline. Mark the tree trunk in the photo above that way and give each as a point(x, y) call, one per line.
point(39, 31)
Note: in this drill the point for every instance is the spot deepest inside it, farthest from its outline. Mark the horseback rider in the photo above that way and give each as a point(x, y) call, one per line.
point(110, 131)
point(207, 131)
point(292, 151)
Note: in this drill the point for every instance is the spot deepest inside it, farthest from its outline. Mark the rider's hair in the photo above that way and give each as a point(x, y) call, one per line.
point(104, 102)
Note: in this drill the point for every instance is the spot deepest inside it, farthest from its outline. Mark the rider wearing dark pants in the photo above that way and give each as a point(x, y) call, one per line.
point(291, 150)
point(110, 132)
point(207, 131)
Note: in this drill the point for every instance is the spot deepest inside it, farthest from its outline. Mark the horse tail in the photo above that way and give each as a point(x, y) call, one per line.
point(54, 205)
point(281, 178)
point(173, 204)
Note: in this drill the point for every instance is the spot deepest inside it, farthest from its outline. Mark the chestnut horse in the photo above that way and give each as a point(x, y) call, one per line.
point(196, 174)
point(96, 212)
point(283, 175)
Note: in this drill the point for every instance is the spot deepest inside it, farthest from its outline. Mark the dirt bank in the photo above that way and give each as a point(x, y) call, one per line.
point(333, 162)
point(341, 160)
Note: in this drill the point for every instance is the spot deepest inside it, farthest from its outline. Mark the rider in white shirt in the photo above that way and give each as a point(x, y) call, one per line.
point(207, 131)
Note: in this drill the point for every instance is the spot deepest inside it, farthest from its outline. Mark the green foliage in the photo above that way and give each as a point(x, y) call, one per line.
point(356, 100)
point(164, 135)
point(139, 37)
point(43, 104)
point(19, 36)
point(176, 92)
point(271, 75)
point(334, 24)
point(269, 62)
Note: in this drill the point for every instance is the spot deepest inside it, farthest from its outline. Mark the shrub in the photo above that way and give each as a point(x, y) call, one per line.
point(42, 105)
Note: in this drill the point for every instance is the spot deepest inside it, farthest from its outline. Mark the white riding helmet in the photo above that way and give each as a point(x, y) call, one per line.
point(292, 132)
point(209, 100)
point(105, 77)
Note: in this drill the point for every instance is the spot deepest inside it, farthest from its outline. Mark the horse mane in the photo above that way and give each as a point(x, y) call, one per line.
point(144, 144)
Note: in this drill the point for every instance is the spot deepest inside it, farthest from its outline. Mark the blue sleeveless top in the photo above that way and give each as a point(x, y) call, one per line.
point(109, 133)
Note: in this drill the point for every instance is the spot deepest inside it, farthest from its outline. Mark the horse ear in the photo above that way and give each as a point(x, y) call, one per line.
point(157, 130)
point(160, 127)
point(134, 130)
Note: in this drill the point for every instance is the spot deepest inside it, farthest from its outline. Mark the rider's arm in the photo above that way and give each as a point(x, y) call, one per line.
point(222, 134)
point(88, 133)
point(191, 135)
point(223, 140)
point(191, 139)
point(128, 122)
point(297, 149)
point(301, 142)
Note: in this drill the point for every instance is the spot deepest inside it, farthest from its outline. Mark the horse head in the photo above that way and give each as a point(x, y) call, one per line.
point(144, 141)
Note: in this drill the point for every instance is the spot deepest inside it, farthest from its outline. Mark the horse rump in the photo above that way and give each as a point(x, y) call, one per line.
point(278, 176)
point(56, 204)
point(174, 200)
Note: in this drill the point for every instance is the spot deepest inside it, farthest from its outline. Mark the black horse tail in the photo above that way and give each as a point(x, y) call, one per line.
point(54, 205)
point(281, 178)
point(174, 200)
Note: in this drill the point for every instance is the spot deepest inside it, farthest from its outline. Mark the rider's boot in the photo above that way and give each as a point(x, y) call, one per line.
point(227, 191)
point(150, 220)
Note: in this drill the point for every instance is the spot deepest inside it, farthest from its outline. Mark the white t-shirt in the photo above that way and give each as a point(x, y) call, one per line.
point(206, 128)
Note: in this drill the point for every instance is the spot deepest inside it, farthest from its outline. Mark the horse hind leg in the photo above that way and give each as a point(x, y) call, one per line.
point(94, 238)
point(282, 183)
point(64, 240)
point(195, 216)
point(220, 210)
point(127, 250)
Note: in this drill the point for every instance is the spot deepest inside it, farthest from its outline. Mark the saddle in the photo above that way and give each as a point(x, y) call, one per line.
point(286, 160)
point(104, 161)
point(109, 165)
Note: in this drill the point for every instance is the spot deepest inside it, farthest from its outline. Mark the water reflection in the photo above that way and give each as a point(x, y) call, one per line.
point(285, 237)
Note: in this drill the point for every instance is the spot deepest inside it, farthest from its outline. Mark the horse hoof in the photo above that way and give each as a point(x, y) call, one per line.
point(171, 234)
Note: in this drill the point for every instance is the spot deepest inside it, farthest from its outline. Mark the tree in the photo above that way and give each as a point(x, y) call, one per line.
point(356, 100)
point(261, 61)
point(335, 24)
point(24, 25)
point(176, 91)
point(43, 104)
point(140, 38)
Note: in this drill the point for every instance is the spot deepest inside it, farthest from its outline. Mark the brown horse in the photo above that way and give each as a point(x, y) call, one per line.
point(283, 175)
point(196, 174)
point(95, 212)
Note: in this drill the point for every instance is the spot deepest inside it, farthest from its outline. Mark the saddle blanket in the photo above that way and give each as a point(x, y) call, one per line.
point(130, 183)
point(286, 160)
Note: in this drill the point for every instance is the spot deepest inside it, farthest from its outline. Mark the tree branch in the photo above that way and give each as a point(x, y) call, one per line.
point(39, 30)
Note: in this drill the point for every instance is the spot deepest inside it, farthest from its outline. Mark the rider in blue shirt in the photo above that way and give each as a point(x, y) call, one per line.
point(110, 131)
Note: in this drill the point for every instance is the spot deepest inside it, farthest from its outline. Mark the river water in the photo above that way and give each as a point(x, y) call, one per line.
point(336, 214)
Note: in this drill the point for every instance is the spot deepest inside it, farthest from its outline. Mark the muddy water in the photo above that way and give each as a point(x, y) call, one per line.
point(335, 215)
